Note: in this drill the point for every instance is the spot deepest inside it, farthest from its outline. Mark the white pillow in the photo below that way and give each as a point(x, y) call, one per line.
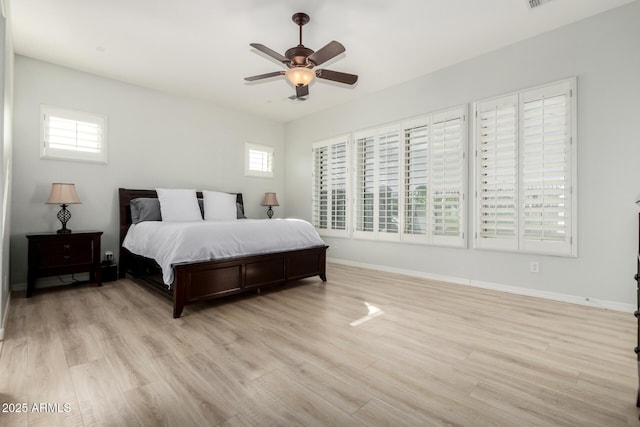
point(219, 206)
point(178, 205)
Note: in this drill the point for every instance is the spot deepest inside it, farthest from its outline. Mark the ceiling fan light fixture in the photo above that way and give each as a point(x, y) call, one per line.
point(300, 75)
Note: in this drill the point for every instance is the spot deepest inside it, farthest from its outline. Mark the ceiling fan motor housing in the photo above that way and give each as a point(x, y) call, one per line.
point(298, 56)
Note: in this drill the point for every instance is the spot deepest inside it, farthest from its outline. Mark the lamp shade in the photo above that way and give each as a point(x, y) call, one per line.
point(270, 199)
point(63, 194)
point(300, 75)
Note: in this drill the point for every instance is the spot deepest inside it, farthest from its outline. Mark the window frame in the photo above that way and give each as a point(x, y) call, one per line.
point(268, 150)
point(49, 153)
point(518, 243)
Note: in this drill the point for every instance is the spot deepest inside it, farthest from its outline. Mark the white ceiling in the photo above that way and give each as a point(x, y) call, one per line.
point(200, 48)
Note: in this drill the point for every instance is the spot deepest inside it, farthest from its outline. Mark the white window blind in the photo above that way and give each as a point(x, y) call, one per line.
point(330, 182)
point(416, 176)
point(72, 135)
point(497, 165)
point(365, 183)
point(410, 180)
point(258, 160)
point(378, 183)
point(339, 185)
point(388, 181)
point(434, 178)
point(320, 191)
point(525, 171)
point(546, 169)
point(448, 176)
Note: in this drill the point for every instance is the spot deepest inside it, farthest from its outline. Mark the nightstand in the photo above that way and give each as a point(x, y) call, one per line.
point(52, 254)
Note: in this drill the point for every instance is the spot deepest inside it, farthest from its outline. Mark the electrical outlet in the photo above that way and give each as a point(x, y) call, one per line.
point(108, 255)
point(534, 267)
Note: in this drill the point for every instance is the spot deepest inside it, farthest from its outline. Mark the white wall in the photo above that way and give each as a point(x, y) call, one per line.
point(154, 140)
point(6, 118)
point(604, 53)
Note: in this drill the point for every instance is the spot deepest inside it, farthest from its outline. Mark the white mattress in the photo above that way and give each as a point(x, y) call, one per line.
point(170, 243)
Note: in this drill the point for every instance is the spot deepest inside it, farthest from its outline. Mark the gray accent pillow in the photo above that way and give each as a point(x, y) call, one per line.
point(201, 204)
point(148, 209)
point(240, 211)
point(145, 209)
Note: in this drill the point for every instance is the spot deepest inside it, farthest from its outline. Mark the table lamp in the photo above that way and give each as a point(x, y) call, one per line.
point(63, 194)
point(270, 200)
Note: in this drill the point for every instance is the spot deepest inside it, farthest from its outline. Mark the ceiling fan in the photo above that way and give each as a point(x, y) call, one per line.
point(300, 61)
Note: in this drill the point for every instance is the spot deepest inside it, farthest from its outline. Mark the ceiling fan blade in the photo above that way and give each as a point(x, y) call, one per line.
point(264, 76)
point(337, 76)
point(331, 50)
point(302, 91)
point(270, 52)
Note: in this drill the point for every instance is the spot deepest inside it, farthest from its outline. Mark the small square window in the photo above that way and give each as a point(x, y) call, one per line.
point(258, 160)
point(72, 135)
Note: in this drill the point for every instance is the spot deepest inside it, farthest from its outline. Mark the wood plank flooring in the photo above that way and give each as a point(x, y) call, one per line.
point(420, 353)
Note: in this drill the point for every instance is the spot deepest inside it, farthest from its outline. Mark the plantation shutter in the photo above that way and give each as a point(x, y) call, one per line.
point(330, 187)
point(416, 178)
point(389, 180)
point(546, 168)
point(73, 135)
point(320, 199)
point(260, 160)
point(435, 177)
point(497, 173)
point(447, 176)
point(524, 162)
point(366, 199)
point(339, 186)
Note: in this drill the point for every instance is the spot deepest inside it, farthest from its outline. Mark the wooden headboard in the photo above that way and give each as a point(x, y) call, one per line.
point(125, 197)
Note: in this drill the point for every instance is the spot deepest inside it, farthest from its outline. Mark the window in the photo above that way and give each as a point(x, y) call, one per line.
point(258, 160)
point(330, 186)
point(410, 180)
point(525, 173)
point(72, 135)
point(434, 178)
point(378, 171)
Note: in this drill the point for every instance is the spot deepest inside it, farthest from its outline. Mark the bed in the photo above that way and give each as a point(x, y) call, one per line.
point(215, 278)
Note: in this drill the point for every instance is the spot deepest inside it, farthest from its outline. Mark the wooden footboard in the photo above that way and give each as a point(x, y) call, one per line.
point(214, 279)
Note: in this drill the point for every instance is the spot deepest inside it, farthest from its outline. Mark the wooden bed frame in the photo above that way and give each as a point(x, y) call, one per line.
point(201, 281)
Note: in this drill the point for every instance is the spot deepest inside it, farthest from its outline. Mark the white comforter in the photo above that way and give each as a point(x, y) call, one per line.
point(175, 242)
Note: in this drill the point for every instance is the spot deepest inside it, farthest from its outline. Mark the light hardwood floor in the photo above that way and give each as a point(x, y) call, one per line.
point(428, 354)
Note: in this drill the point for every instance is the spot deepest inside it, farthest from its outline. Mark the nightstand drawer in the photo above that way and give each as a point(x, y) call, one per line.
point(62, 259)
point(67, 247)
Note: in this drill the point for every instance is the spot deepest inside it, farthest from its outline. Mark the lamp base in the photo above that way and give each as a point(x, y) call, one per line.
point(269, 212)
point(64, 216)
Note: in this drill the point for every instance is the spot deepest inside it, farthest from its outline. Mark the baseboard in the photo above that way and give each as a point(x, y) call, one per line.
point(554, 296)
point(4, 320)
